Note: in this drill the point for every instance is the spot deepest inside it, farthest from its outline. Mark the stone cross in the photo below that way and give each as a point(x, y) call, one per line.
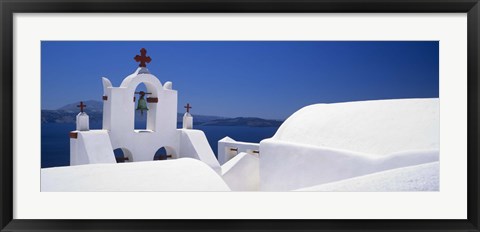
point(188, 107)
point(81, 106)
point(142, 58)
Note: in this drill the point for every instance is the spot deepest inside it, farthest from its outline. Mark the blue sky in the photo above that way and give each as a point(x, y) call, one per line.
point(268, 79)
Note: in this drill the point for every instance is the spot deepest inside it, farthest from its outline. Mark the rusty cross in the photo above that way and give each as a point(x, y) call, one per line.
point(81, 106)
point(188, 107)
point(142, 58)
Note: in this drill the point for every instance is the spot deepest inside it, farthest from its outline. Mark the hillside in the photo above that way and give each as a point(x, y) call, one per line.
point(243, 121)
point(91, 106)
point(68, 113)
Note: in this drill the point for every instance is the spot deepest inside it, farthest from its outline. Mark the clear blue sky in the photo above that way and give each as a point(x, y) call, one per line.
point(246, 78)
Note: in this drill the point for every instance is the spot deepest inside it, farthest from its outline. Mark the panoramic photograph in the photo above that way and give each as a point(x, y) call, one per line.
point(276, 116)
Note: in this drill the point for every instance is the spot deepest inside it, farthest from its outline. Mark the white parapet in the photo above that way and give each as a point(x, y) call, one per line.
point(90, 147)
point(194, 144)
point(229, 148)
point(241, 173)
point(288, 166)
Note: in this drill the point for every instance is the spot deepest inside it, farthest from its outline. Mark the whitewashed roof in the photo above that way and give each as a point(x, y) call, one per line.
point(169, 175)
point(375, 127)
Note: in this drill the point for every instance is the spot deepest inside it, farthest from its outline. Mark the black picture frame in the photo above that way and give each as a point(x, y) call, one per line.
point(9, 7)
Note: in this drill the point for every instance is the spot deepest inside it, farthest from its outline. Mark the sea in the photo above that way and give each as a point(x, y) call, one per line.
point(55, 142)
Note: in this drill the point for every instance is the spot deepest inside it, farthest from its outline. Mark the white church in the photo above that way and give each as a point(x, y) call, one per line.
point(380, 145)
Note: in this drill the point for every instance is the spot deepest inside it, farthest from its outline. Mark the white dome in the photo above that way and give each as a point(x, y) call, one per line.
point(183, 174)
point(375, 127)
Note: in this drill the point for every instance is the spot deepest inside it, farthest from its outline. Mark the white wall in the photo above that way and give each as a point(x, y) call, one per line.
point(91, 147)
point(423, 177)
point(194, 144)
point(322, 143)
point(229, 148)
point(242, 173)
point(287, 166)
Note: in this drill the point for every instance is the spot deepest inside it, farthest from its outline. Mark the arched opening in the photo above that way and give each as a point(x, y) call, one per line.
point(161, 154)
point(122, 155)
point(145, 108)
point(141, 107)
point(165, 153)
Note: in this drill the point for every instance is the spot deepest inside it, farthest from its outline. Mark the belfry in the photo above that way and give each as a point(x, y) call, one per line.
point(159, 103)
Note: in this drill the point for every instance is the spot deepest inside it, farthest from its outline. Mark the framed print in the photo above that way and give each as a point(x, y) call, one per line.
point(261, 115)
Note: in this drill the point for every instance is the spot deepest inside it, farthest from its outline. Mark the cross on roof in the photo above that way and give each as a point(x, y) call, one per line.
point(142, 58)
point(81, 106)
point(188, 107)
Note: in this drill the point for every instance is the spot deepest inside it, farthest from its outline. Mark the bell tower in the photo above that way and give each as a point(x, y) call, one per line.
point(161, 133)
point(158, 102)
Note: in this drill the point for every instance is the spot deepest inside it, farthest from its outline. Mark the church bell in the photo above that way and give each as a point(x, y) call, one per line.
point(142, 105)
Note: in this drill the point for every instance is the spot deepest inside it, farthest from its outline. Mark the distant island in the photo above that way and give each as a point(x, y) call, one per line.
point(68, 113)
point(243, 121)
